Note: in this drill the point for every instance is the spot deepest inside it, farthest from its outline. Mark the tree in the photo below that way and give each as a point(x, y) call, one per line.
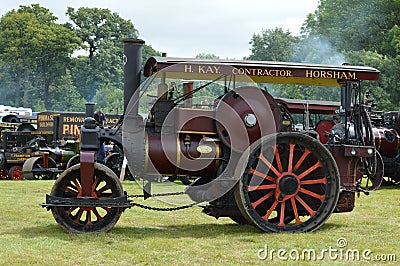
point(96, 25)
point(34, 53)
point(367, 33)
point(359, 24)
point(110, 100)
point(385, 92)
point(64, 95)
point(101, 32)
point(207, 56)
point(273, 45)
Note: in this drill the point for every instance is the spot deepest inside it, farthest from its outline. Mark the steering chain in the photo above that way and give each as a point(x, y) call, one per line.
point(134, 204)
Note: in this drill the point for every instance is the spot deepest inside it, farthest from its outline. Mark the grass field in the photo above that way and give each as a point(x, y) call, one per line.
point(30, 236)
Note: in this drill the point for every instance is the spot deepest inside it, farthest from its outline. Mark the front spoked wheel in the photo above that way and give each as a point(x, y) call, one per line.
point(291, 184)
point(87, 219)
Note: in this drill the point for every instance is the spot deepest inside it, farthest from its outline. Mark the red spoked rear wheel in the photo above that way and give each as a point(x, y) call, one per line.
point(291, 183)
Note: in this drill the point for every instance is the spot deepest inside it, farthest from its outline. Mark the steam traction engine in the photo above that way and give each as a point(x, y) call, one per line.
point(387, 141)
point(212, 123)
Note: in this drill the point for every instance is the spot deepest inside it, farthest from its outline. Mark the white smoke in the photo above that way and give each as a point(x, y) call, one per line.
point(318, 50)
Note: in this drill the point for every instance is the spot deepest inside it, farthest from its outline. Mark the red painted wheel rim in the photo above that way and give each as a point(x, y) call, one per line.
point(16, 173)
point(290, 184)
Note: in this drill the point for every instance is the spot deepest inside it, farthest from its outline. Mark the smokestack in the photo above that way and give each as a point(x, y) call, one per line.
point(132, 67)
point(89, 111)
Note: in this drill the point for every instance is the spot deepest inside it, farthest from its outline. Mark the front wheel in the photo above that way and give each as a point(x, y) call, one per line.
point(87, 219)
point(291, 184)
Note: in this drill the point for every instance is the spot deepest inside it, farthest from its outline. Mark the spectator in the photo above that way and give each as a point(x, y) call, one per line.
point(100, 118)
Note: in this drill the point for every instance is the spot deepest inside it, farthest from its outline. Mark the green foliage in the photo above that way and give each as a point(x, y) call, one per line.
point(207, 56)
point(368, 34)
point(386, 91)
point(64, 89)
point(273, 45)
point(37, 68)
point(110, 99)
point(97, 26)
point(33, 52)
point(101, 32)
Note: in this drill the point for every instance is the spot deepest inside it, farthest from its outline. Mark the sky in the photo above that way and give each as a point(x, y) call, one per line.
point(186, 28)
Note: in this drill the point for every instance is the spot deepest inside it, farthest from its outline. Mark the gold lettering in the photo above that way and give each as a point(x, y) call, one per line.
point(289, 73)
point(201, 69)
point(216, 68)
point(336, 75)
point(352, 75)
point(209, 70)
point(329, 74)
point(65, 129)
point(309, 73)
point(188, 68)
point(323, 74)
point(76, 130)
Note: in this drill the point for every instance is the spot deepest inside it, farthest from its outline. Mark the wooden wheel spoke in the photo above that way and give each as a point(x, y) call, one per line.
point(296, 213)
point(259, 174)
point(261, 187)
point(101, 190)
point(95, 183)
point(313, 182)
point(262, 199)
point(70, 210)
point(278, 159)
point(79, 216)
point(270, 166)
point(302, 158)
point(71, 190)
point(282, 214)
point(305, 205)
point(310, 170)
point(271, 209)
point(77, 186)
point(290, 163)
point(95, 212)
point(312, 194)
point(107, 209)
point(88, 217)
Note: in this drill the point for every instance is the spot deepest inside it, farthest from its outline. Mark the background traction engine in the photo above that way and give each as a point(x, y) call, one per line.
point(241, 152)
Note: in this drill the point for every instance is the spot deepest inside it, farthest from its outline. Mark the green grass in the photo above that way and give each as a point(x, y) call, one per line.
point(30, 236)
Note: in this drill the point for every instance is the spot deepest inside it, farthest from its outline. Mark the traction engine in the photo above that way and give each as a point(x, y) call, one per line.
point(211, 124)
point(387, 141)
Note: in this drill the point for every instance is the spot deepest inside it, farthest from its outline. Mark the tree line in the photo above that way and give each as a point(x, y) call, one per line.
point(46, 65)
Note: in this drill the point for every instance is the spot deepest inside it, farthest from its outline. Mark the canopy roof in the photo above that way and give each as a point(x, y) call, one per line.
point(259, 71)
point(297, 106)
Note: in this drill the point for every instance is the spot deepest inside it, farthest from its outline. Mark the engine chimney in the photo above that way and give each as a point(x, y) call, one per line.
point(132, 68)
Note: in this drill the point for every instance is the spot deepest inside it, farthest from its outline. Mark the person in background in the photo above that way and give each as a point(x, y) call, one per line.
point(100, 118)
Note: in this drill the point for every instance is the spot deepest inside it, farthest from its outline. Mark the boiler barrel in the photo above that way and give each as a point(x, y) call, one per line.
point(168, 155)
point(387, 141)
